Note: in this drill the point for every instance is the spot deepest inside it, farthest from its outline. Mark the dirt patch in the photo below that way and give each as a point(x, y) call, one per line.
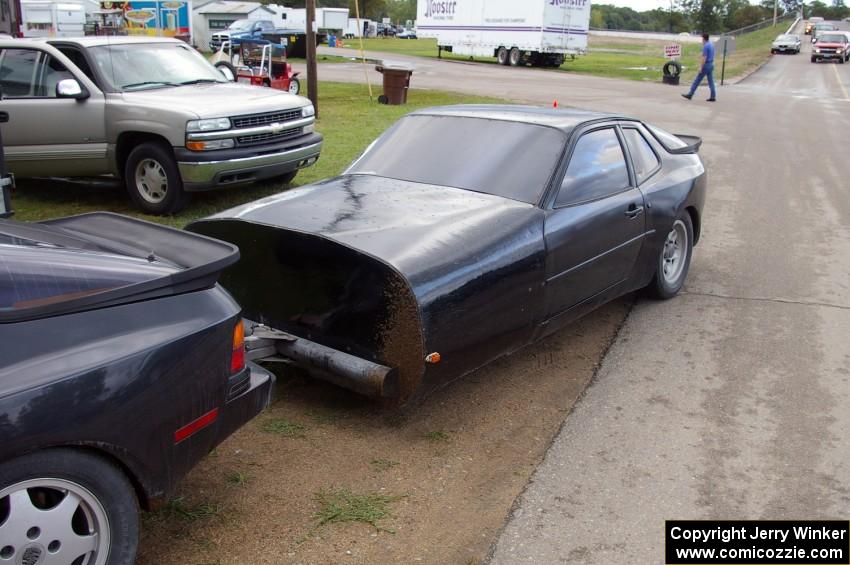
point(451, 467)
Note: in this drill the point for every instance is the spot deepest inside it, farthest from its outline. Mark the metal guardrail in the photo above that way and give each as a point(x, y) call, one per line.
point(754, 27)
point(761, 25)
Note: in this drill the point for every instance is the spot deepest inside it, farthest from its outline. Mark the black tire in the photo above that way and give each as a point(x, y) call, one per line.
point(382, 99)
point(814, 60)
point(107, 505)
point(226, 67)
point(502, 56)
point(841, 60)
point(288, 177)
point(160, 198)
point(515, 57)
point(662, 286)
point(672, 69)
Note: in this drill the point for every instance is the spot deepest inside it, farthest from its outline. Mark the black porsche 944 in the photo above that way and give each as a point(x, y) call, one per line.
point(460, 235)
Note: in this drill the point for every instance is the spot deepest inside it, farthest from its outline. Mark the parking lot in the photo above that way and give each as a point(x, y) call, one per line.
point(729, 401)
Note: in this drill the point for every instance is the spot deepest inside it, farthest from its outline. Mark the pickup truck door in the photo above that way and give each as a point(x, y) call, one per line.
point(47, 135)
point(595, 227)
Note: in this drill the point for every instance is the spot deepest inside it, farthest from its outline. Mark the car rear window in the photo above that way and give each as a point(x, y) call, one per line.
point(505, 158)
point(668, 140)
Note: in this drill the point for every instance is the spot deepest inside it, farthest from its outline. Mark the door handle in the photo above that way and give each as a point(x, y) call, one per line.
point(634, 211)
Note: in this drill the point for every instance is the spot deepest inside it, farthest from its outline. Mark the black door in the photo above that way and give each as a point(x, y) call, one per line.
point(594, 229)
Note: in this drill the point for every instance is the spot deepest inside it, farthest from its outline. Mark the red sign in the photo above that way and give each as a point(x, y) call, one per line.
point(672, 51)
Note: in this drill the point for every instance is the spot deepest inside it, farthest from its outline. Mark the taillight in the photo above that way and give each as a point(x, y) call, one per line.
point(237, 355)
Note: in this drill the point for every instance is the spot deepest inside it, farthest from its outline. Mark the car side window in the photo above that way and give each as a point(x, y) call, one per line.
point(644, 159)
point(266, 26)
point(28, 73)
point(597, 169)
point(17, 72)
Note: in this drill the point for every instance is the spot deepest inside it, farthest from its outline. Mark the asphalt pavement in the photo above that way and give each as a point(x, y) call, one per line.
point(732, 400)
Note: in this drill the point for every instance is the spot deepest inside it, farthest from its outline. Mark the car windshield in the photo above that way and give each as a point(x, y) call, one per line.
point(832, 38)
point(241, 25)
point(786, 38)
point(510, 159)
point(141, 66)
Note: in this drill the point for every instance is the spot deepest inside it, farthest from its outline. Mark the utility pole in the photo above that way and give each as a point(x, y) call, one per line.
point(312, 78)
point(775, 8)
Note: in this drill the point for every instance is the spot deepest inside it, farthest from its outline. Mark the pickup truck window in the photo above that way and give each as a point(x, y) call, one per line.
point(28, 73)
point(131, 67)
point(79, 61)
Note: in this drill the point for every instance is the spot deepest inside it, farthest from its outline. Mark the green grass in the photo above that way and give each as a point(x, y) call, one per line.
point(383, 464)
point(348, 120)
point(284, 428)
point(238, 478)
point(177, 507)
point(437, 437)
point(343, 505)
point(615, 57)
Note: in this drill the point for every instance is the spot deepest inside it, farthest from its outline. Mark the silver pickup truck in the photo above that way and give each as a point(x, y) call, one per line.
point(152, 111)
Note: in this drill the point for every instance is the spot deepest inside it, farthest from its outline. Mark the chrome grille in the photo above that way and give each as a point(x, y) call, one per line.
point(255, 120)
point(258, 138)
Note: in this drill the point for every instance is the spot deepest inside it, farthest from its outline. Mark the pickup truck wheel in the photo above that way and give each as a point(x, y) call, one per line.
point(153, 180)
point(66, 506)
point(288, 177)
point(674, 259)
point(502, 56)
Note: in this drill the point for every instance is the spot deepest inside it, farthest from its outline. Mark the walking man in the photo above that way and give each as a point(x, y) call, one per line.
point(706, 70)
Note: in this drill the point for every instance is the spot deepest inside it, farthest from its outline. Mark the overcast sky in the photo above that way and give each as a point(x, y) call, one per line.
point(639, 5)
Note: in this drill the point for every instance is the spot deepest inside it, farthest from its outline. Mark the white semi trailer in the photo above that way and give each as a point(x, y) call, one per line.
point(536, 32)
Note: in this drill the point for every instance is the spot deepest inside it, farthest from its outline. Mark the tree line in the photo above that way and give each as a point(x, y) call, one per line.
point(712, 16)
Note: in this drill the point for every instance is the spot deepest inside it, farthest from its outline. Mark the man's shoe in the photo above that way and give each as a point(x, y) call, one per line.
point(712, 100)
point(688, 96)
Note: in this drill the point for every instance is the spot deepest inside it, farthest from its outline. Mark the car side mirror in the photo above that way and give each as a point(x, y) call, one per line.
point(70, 88)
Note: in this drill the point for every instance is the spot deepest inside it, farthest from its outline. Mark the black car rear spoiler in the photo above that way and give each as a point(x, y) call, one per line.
point(199, 259)
point(693, 144)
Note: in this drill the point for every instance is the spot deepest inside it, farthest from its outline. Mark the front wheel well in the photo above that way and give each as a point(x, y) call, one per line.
point(695, 221)
point(130, 139)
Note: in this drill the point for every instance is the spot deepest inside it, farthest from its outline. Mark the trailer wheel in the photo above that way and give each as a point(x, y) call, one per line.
point(515, 57)
point(502, 56)
point(294, 86)
point(228, 70)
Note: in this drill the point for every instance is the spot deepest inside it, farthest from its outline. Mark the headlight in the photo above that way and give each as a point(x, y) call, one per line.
point(213, 124)
point(210, 145)
point(308, 111)
point(817, 50)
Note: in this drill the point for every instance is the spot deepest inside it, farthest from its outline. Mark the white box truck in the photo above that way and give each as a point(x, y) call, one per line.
point(536, 32)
